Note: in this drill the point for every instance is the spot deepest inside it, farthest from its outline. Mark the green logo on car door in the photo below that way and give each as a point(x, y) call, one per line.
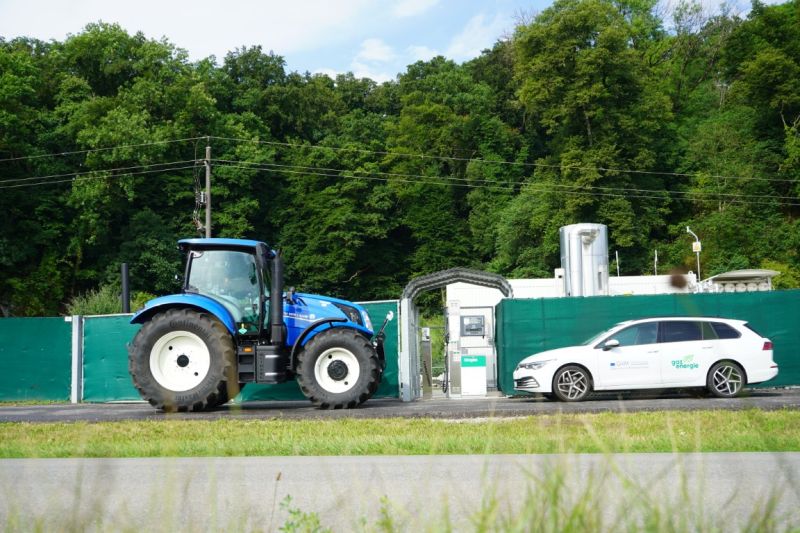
point(686, 363)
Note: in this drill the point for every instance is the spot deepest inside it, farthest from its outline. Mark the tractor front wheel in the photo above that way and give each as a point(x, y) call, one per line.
point(338, 368)
point(183, 360)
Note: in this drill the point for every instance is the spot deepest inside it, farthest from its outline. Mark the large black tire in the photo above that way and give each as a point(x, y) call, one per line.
point(338, 368)
point(183, 360)
point(572, 383)
point(726, 379)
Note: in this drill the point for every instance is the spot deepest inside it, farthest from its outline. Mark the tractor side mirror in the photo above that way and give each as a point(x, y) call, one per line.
point(290, 295)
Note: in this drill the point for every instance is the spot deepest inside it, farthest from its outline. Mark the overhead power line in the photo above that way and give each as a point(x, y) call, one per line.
point(92, 150)
point(100, 174)
point(617, 192)
point(78, 174)
point(452, 179)
point(501, 162)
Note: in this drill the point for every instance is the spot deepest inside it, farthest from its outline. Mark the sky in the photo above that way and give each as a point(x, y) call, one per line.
point(371, 38)
point(377, 39)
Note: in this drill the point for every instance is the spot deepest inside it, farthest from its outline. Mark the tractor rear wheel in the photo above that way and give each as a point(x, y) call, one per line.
point(183, 360)
point(338, 368)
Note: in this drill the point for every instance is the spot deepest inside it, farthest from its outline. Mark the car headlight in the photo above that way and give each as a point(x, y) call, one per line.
point(367, 321)
point(533, 365)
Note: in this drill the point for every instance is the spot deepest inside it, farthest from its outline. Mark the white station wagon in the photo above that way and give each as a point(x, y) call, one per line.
point(719, 354)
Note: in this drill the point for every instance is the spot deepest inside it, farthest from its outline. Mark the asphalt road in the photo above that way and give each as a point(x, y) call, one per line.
point(718, 491)
point(758, 398)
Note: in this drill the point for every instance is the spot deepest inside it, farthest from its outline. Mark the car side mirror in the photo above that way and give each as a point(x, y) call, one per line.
point(610, 343)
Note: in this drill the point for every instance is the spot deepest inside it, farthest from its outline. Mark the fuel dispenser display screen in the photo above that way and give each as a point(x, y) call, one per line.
point(472, 326)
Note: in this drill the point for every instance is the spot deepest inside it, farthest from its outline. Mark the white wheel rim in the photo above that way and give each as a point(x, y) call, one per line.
point(337, 370)
point(180, 361)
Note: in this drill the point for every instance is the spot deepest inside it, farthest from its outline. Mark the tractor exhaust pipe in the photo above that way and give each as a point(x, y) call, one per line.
point(277, 334)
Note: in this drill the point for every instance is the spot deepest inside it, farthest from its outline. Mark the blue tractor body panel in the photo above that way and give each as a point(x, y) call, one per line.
point(310, 308)
point(306, 310)
point(197, 301)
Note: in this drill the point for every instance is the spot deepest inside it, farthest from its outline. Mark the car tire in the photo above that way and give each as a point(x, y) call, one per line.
point(572, 383)
point(726, 379)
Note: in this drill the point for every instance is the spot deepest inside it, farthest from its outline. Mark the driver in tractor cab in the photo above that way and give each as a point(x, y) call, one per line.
point(239, 278)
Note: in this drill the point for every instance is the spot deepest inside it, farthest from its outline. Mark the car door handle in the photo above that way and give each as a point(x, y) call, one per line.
point(653, 351)
point(707, 347)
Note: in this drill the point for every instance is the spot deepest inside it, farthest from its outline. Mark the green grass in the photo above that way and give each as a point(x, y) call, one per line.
point(669, 431)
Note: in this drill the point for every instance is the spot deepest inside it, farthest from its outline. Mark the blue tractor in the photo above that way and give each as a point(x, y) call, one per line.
point(232, 324)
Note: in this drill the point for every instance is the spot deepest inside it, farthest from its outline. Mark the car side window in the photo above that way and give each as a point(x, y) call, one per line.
point(639, 334)
point(680, 331)
point(708, 331)
point(724, 331)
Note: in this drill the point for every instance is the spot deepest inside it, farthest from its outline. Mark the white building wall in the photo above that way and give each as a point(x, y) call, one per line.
point(474, 296)
point(630, 285)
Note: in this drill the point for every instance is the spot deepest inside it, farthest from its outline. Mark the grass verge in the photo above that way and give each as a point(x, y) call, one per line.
point(663, 431)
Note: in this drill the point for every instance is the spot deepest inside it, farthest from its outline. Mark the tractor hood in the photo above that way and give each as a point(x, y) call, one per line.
point(300, 310)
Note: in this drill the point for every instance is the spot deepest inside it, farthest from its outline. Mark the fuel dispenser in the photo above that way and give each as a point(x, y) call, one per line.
point(470, 350)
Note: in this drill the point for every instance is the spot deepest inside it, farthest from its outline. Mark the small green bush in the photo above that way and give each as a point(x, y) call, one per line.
point(105, 300)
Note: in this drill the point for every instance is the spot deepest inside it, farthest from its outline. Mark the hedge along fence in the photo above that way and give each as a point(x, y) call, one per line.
point(87, 360)
point(525, 327)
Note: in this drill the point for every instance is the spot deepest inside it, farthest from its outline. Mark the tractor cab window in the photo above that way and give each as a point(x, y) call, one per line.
point(231, 278)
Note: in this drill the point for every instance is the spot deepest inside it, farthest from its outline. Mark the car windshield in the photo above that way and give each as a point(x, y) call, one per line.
point(596, 337)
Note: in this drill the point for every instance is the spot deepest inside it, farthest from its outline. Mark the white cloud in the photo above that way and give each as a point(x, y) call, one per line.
point(373, 59)
point(331, 73)
point(476, 36)
point(375, 50)
point(421, 53)
point(410, 8)
point(201, 26)
point(360, 70)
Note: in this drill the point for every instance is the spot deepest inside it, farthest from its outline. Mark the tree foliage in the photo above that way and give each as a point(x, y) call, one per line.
point(593, 111)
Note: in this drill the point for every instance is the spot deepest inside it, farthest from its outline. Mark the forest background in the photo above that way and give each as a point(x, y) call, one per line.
point(612, 112)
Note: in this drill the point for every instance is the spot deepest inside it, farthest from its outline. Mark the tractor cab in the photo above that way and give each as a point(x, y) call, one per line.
point(235, 275)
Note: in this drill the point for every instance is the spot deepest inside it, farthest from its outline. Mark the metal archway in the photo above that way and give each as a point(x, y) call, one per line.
point(409, 317)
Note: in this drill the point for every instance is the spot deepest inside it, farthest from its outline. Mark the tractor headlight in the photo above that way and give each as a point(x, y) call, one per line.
point(367, 321)
point(533, 365)
point(351, 313)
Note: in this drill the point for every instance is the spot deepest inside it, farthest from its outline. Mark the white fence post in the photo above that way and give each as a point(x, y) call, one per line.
point(76, 389)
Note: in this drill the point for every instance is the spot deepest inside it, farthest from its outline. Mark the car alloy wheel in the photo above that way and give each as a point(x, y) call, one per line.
point(572, 384)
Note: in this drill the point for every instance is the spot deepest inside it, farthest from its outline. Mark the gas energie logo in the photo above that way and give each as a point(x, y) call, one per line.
point(686, 363)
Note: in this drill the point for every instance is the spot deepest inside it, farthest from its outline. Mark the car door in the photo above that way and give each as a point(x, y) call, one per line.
point(634, 363)
point(684, 352)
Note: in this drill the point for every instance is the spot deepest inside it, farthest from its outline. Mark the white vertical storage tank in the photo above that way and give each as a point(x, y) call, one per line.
point(584, 258)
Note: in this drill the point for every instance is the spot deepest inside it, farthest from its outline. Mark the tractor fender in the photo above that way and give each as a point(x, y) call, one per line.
point(196, 301)
point(317, 327)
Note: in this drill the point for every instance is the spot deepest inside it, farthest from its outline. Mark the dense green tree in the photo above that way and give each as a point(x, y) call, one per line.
point(592, 111)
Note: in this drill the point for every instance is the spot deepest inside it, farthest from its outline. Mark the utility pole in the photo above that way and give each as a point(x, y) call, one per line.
point(207, 163)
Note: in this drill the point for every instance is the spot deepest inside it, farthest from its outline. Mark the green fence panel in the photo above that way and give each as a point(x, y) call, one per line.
point(35, 359)
point(390, 384)
point(105, 358)
point(105, 361)
point(525, 327)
